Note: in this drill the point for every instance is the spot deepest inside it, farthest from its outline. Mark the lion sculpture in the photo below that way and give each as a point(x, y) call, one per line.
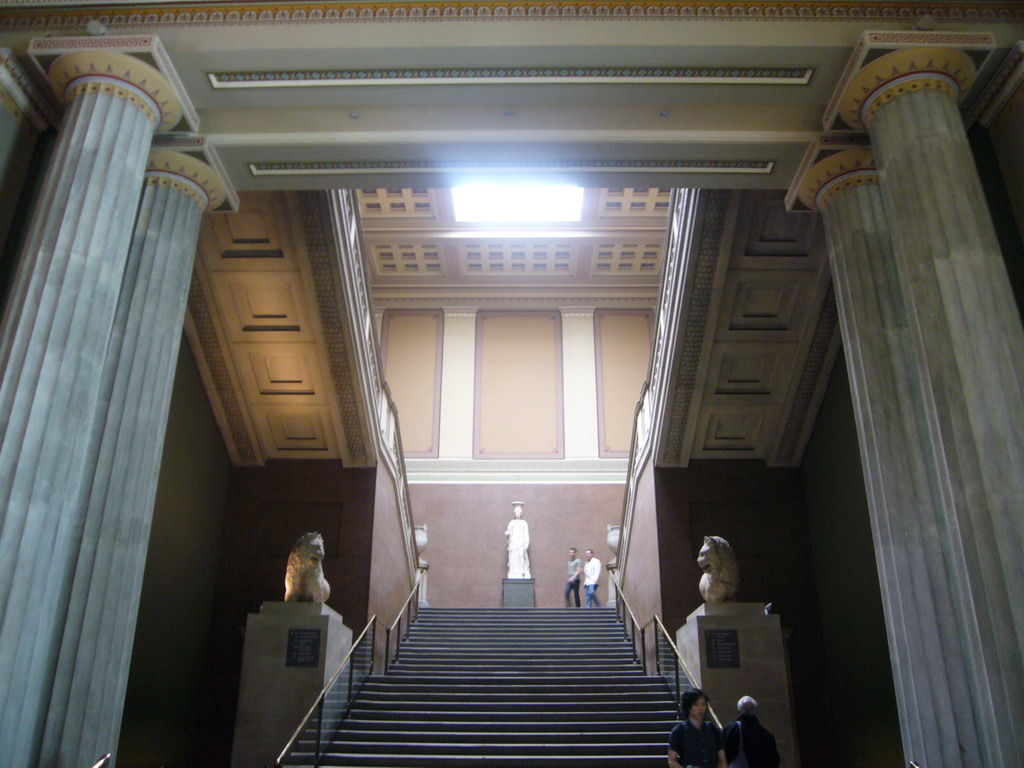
point(721, 576)
point(304, 580)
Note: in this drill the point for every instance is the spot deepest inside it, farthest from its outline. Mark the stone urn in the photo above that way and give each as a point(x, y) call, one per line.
point(614, 540)
point(420, 537)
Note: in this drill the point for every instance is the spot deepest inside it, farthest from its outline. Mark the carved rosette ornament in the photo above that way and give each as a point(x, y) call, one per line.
point(119, 75)
point(902, 72)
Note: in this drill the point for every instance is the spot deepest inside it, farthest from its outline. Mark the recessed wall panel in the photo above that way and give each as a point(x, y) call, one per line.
point(519, 383)
point(623, 351)
point(412, 368)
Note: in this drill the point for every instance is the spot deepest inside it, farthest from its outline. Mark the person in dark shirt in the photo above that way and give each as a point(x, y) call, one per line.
point(695, 742)
point(757, 741)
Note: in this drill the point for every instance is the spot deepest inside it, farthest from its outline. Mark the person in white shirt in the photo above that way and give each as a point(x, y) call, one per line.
point(591, 578)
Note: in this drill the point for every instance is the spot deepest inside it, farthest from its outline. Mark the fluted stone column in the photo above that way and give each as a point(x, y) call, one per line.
point(968, 377)
point(918, 575)
point(53, 345)
point(88, 695)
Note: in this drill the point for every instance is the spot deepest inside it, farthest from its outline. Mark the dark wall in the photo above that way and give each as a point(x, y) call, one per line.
point(169, 655)
point(268, 509)
point(467, 547)
point(761, 512)
point(641, 580)
point(1000, 207)
point(853, 625)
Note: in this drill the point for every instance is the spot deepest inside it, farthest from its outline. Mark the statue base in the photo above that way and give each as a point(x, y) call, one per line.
point(291, 651)
point(517, 593)
point(735, 650)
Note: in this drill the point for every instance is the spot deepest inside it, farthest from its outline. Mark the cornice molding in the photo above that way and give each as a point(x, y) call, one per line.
point(336, 338)
point(695, 322)
point(1004, 91)
point(158, 13)
point(21, 96)
point(562, 471)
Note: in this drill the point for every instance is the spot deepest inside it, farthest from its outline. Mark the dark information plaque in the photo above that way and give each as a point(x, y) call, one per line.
point(303, 648)
point(723, 647)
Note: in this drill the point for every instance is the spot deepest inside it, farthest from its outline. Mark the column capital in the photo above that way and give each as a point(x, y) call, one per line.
point(199, 149)
point(831, 164)
point(844, 170)
point(919, 69)
point(885, 65)
point(134, 67)
point(185, 173)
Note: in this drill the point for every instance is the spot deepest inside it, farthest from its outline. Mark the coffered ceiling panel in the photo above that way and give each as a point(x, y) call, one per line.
point(757, 336)
point(259, 334)
point(296, 432)
point(263, 306)
point(612, 256)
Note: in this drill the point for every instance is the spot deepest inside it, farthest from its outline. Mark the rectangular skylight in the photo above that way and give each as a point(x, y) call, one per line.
point(517, 203)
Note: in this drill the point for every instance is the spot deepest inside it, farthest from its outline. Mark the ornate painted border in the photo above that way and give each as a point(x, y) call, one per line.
point(32, 13)
point(430, 166)
point(502, 75)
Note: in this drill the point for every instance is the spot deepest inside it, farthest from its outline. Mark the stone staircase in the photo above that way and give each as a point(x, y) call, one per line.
point(509, 688)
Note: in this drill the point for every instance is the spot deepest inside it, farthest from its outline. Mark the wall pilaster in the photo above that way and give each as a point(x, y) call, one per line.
point(579, 382)
point(458, 383)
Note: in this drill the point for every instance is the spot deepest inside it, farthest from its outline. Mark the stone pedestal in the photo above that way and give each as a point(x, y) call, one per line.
point(517, 593)
point(291, 651)
point(734, 650)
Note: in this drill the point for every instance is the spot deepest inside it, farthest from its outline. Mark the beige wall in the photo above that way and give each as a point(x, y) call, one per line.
point(412, 368)
point(466, 528)
point(623, 341)
point(519, 383)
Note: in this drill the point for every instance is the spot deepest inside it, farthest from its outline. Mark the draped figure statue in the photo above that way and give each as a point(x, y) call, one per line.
point(518, 535)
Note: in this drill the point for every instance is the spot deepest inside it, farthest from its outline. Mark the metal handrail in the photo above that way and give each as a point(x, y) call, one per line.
point(634, 624)
point(681, 662)
point(318, 704)
point(414, 592)
point(103, 762)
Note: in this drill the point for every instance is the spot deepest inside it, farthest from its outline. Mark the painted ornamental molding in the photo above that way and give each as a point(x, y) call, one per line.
point(157, 13)
point(519, 75)
point(429, 166)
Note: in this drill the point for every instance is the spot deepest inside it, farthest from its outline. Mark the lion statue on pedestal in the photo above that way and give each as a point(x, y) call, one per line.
point(304, 580)
point(721, 576)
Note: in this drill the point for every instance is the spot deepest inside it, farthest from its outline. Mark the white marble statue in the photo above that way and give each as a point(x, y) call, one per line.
point(721, 576)
point(304, 580)
point(518, 536)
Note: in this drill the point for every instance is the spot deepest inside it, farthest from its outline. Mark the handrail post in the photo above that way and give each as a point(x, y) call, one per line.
point(643, 648)
point(319, 731)
point(387, 648)
point(679, 698)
